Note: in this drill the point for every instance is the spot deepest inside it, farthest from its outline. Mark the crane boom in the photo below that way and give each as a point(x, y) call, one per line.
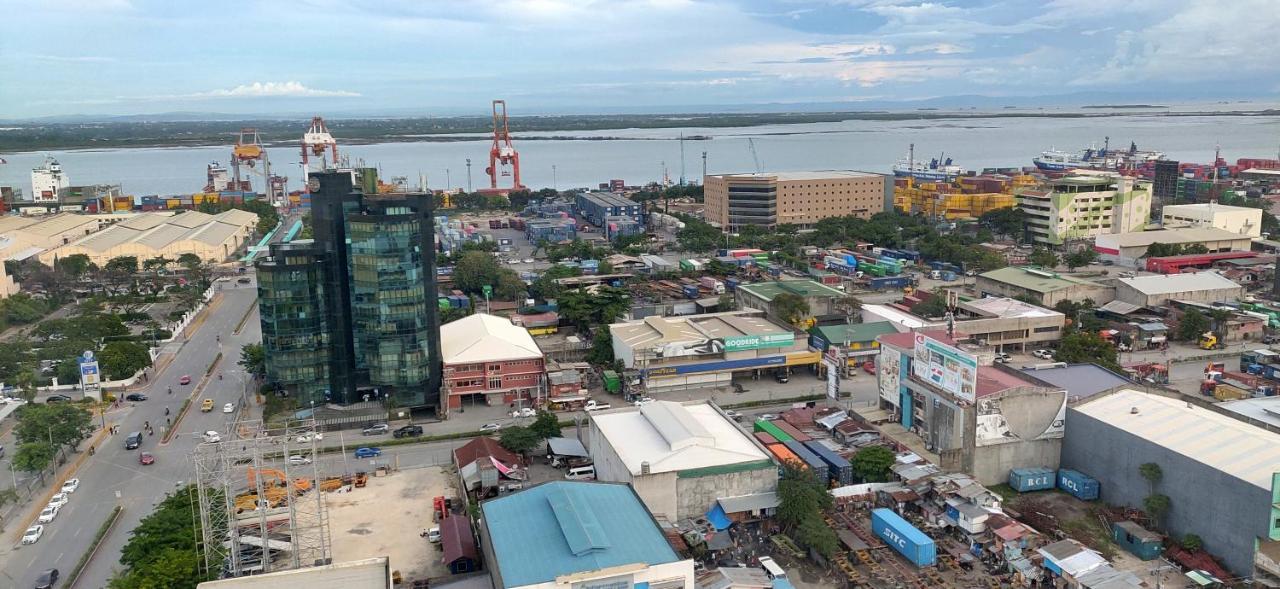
point(755, 158)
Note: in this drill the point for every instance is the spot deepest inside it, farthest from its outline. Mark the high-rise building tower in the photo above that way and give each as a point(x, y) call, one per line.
point(1164, 186)
point(370, 271)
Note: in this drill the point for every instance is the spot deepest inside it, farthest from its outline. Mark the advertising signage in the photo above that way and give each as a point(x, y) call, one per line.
point(740, 343)
point(945, 367)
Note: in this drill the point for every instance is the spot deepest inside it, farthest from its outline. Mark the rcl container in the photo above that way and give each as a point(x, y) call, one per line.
point(1025, 480)
point(1078, 484)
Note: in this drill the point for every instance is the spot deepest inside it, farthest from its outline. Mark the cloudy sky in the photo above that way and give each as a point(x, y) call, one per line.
point(447, 56)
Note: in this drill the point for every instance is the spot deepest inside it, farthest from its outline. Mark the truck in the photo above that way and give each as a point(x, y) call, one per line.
point(690, 291)
point(1209, 341)
point(711, 284)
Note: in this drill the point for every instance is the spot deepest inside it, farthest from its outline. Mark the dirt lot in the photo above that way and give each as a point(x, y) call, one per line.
point(386, 517)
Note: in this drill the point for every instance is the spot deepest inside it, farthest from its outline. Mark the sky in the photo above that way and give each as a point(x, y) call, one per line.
point(61, 57)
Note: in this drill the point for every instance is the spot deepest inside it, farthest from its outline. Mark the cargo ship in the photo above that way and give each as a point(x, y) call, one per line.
point(939, 169)
point(1096, 159)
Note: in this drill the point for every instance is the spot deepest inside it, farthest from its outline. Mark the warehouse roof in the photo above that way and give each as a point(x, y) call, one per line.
point(1170, 236)
point(565, 527)
point(804, 288)
point(609, 199)
point(1035, 279)
point(484, 338)
point(1229, 445)
point(1175, 283)
point(160, 230)
point(1264, 409)
point(802, 175)
point(1007, 308)
point(1205, 207)
point(671, 436)
point(894, 315)
point(1081, 380)
point(854, 332)
point(654, 331)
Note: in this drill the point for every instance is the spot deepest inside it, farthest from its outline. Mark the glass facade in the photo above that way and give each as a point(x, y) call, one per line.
point(295, 324)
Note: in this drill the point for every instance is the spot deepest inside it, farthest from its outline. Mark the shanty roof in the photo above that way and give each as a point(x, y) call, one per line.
point(1035, 279)
point(671, 436)
point(482, 447)
point(748, 502)
point(805, 288)
point(1179, 283)
point(1223, 443)
point(456, 538)
point(485, 338)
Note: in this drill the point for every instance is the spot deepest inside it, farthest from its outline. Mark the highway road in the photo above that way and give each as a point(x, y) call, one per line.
point(113, 476)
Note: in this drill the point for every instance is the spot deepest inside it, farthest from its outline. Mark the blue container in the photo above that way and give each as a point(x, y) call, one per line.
point(816, 464)
point(730, 284)
point(1024, 480)
point(1078, 484)
point(838, 469)
point(904, 537)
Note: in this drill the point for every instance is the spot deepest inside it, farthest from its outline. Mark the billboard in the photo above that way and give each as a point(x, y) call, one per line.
point(89, 374)
point(715, 366)
point(833, 379)
point(1023, 417)
point(945, 367)
point(889, 371)
point(739, 343)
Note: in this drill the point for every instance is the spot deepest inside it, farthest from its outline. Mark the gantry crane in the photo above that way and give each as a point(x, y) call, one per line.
point(314, 142)
point(247, 151)
point(502, 153)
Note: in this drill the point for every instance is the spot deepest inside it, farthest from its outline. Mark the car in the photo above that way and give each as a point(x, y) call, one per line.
point(492, 426)
point(769, 416)
point(57, 399)
point(971, 273)
point(229, 408)
point(528, 260)
point(47, 514)
point(135, 397)
point(47, 579)
point(594, 406)
point(243, 280)
point(211, 437)
point(1270, 338)
point(1045, 354)
point(781, 377)
point(146, 458)
point(1108, 263)
point(298, 460)
point(376, 429)
point(524, 412)
point(433, 535)
point(368, 452)
point(308, 436)
point(869, 367)
point(32, 535)
point(734, 415)
point(639, 402)
point(1003, 358)
point(186, 379)
point(58, 500)
point(408, 431)
point(70, 486)
point(206, 405)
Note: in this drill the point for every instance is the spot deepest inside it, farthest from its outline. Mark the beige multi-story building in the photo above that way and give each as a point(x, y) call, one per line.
point(1242, 220)
point(794, 198)
point(1084, 205)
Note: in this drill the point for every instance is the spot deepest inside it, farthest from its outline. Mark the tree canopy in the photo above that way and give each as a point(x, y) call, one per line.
point(790, 307)
point(871, 464)
point(1087, 347)
point(162, 550)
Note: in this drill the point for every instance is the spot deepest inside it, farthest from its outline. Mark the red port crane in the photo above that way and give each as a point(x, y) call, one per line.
point(503, 153)
point(314, 142)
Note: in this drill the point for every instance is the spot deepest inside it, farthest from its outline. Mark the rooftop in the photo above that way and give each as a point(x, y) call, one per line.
point(1170, 236)
point(609, 199)
point(657, 331)
point(855, 332)
point(1264, 409)
point(992, 381)
point(1035, 279)
point(160, 230)
point(1244, 451)
point(484, 338)
point(565, 527)
point(798, 176)
point(1205, 207)
point(1080, 380)
point(1261, 171)
point(1176, 283)
point(804, 288)
point(897, 316)
point(671, 436)
point(1006, 308)
point(369, 572)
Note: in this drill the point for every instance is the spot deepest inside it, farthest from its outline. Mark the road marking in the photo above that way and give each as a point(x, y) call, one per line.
point(77, 534)
point(60, 555)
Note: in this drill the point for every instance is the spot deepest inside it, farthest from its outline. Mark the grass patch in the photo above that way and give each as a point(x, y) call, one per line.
point(1007, 494)
point(213, 365)
point(93, 547)
point(1090, 532)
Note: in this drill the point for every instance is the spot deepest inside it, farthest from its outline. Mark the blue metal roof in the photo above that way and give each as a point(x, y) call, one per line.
point(566, 527)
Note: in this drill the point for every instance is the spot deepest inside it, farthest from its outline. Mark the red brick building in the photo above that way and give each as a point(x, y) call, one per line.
point(489, 361)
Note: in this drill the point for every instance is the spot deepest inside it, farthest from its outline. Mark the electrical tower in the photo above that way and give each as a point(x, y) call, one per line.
point(502, 153)
point(314, 143)
point(259, 513)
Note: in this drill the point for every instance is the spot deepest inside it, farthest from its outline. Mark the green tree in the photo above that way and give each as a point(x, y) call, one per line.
point(170, 568)
point(1192, 325)
point(871, 464)
point(1009, 221)
point(1043, 258)
point(1192, 543)
point(59, 424)
point(545, 286)
point(162, 550)
point(1221, 319)
point(122, 265)
point(814, 533)
point(33, 457)
point(1156, 505)
point(1152, 473)
point(1087, 348)
point(519, 439)
point(253, 358)
point(934, 306)
point(1080, 314)
point(474, 271)
point(586, 309)
point(509, 287)
point(546, 425)
point(122, 359)
point(601, 353)
point(790, 307)
point(25, 381)
point(451, 314)
point(800, 495)
point(1080, 258)
point(74, 266)
point(850, 306)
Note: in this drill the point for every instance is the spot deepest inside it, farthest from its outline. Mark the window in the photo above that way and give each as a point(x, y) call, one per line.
point(495, 382)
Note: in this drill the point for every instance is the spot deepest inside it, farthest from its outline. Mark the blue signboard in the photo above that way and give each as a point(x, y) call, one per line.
point(716, 366)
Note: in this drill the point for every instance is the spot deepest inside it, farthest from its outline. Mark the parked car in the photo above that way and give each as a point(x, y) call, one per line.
point(47, 579)
point(781, 377)
point(528, 260)
point(1003, 358)
point(524, 412)
point(146, 458)
point(229, 408)
point(376, 429)
point(594, 406)
point(869, 367)
point(58, 500)
point(1045, 354)
point(135, 397)
point(243, 280)
point(298, 460)
point(32, 535)
point(57, 399)
point(1271, 338)
point(186, 379)
point(307, 437)
point(642, 401)
point(206, 405)
point(769, 416)
point(47, 515)
point(70, 486)
point(211, 437)
point(368, 452)
point(734, 415)
point(408, 431)
point(433, 535)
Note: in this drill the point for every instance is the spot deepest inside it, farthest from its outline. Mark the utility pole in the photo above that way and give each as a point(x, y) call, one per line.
point(448, 180)
point(468, 175)
point(704, 167)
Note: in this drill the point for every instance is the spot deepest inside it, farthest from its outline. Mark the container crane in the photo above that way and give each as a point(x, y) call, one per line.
point(502, 153)
point(314, 143)
point(247, 151)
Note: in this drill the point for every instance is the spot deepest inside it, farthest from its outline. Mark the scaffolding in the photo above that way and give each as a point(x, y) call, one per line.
point(258, 512)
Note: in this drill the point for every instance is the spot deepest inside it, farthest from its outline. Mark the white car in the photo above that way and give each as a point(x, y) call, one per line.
point(70, 486)
point(642, 401)
point(32, 535)
point(307, 437)
point(1003, 358)
point(211, 437)
point(59, 500)
point(1046, 354)
point(229, 408)
point(433, 535)
point(298, 460)
point(528, 260)
point(491, 427)
point(524, 412)
point(47, 515)
point(769, 416)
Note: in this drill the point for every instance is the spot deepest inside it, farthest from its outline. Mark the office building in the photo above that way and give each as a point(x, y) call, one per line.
point(371, 270)
point(295, 323)
point(1164, 185)
point(1085, 205)
point(1241, 220)
point(793, 198)
point(489, 361)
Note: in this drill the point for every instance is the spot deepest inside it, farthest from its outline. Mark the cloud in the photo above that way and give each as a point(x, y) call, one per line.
point(939, 48)
point(273, 89)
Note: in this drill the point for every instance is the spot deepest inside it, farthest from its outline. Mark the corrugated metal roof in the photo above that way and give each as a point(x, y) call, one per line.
point(565, 527)
point(804, 288)
point(699, 437)
point(1169, 236)
point(1081, 380)
point(748, 502)
point(1177, 283)
point(855, 332)
point(485, 338)
point(1041, 281)
point(1233, 447)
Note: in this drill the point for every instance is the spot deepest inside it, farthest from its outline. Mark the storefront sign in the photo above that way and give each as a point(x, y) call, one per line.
point(741, 343)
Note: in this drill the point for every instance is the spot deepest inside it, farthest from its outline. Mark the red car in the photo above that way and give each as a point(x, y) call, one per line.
point(870, 367)
point(186, 379)
point(146, 458)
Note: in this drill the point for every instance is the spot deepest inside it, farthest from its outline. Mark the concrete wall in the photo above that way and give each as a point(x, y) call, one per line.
point(664, 576)
point(696, 495)
point(991, 464)
point(1133, 296)
point(660, 493)
point(1226, 512)
point(1100, 294)
point(657, 491)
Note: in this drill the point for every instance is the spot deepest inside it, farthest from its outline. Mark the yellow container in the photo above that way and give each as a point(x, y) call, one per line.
point(173, 203)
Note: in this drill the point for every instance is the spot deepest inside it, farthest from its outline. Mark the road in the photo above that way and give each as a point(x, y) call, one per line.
point(113, 476)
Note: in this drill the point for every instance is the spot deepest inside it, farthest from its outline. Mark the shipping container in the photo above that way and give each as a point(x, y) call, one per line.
point(791, 430)
point(784, 456)
point(839, 469)
point(886, 282)
point(731, 284)
point(816, 465)
point(765, 438)
point(770, 427)
point(1024, 480)
point(1077, 484)
point(1139, 541)
point(903, 537)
